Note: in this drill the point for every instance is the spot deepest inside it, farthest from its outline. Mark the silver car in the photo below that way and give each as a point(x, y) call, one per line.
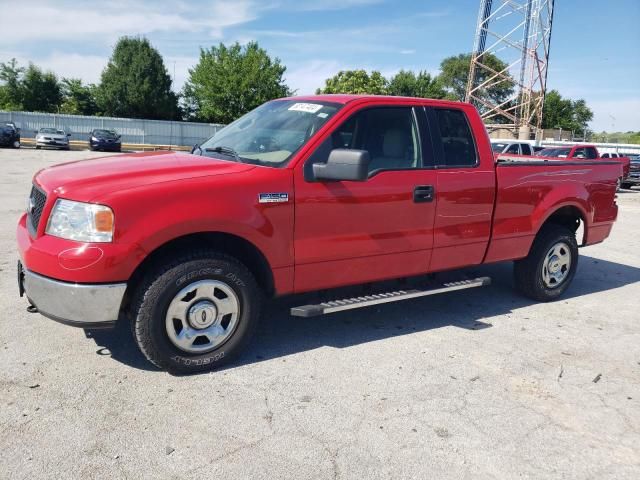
point(52, 137)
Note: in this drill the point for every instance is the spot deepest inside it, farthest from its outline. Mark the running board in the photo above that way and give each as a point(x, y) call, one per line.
point(369, 300)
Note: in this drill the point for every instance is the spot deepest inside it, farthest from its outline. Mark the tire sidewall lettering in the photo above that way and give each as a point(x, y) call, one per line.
point(198, 361)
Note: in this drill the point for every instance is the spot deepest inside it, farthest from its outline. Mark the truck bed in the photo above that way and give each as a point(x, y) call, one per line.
point(530, 189)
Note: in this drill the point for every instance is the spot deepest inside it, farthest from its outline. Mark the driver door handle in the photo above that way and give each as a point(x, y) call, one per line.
point(423, 194)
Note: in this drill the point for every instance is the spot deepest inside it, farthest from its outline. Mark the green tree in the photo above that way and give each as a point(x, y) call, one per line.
point(10, 82)
point(135, 83)
point(30, 89)
point(409, 84)
point(78, 99)
point(356, 82)
point(559, 112)
point(229, 81)
point(455, 75)
point(40, 91)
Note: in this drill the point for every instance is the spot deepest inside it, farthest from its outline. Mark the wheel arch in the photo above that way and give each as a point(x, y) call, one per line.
point(570, 216)
point(228, 243)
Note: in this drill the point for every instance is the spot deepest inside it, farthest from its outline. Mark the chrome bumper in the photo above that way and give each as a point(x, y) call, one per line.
point(77, 304)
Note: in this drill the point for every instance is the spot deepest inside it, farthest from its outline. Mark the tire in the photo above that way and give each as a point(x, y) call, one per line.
point(537, 276)
point(37, 147)
point(16, 144)
point(625, 186)
point(170, 286)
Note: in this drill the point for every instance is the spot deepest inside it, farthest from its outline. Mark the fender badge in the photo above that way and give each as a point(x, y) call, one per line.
point(273, 197)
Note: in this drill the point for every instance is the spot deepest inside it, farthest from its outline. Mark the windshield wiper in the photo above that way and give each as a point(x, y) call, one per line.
point(224, 150)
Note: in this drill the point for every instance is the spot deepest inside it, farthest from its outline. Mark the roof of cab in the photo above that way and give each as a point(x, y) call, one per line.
point(344, 98)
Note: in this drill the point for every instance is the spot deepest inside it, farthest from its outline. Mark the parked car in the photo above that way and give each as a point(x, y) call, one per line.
point(634, 172)
point(9, 135)
point(301, 194)
point(52, 137)
point(105, 140)
point(515, 148)
point(610, 155)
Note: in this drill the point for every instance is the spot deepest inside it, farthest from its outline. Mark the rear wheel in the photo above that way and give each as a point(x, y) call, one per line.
point(625, 186)
point(197, 312)
point(548, 270)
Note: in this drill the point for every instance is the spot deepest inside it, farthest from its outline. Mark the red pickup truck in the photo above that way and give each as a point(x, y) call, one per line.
point(301, 194)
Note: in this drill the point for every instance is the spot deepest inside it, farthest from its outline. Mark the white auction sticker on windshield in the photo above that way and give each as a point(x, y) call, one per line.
point(305, 107)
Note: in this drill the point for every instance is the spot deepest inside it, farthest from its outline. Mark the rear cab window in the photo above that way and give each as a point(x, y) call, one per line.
point(453, 141)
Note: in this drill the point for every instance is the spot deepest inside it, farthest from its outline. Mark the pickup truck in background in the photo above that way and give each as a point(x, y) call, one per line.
point(302, 194)
point(576, 151)
point(588, 152)
point(633, 178)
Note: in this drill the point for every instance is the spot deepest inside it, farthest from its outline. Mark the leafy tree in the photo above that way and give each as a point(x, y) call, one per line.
point(356, 82)
point(29, 89)
point(455, 75)
point(409, 84)
point(135, 83)
point(10, 81)
point(79, 99)
point(565, 113)
point(229, 81)
point(40, 91)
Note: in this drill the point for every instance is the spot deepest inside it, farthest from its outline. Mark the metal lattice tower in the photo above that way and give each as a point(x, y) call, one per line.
point(518, 32)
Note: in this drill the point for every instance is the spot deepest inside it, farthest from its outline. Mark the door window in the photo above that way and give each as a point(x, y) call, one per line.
point(390, 135)
point(591, 152)
point(579, 153)
point(513, 148)
point(526, 149)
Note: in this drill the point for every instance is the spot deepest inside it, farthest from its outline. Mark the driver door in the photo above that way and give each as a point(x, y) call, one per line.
point(349, 232)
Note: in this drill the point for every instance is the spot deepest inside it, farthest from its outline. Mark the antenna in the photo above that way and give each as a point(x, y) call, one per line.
point(518, 32)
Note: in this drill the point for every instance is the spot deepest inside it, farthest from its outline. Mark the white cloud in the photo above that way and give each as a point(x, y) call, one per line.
point(309, 76)
point(37, 20)
point(320, 5)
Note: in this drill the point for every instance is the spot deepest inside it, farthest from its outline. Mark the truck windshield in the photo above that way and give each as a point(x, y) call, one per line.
point(271, 134)
point(554, 152)
point(498, 147)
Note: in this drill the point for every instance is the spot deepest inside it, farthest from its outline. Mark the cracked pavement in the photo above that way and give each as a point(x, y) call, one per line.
point(477, 384)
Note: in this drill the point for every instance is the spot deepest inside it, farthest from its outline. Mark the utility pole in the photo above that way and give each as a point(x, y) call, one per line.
point(518, 32)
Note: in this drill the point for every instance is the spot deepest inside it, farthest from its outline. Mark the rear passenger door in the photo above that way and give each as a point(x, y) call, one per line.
point(465, 191)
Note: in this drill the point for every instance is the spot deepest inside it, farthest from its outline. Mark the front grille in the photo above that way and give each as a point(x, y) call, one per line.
point(37, 200)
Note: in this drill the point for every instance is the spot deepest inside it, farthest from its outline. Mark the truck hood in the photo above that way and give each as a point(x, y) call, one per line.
point(87, 180)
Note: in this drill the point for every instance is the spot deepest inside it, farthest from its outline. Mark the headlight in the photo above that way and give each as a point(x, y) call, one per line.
point(84, 222)
point(94, 139)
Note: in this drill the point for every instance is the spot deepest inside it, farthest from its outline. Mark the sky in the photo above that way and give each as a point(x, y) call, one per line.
point(595, 48)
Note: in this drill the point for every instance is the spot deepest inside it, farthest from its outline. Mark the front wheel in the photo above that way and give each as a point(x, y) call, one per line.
point(16, 144)
point(548, 270)
point(196, 313)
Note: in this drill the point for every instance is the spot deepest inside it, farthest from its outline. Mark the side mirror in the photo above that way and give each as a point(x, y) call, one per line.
point(194, 148)
point(68, 134)
point(344, 164)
